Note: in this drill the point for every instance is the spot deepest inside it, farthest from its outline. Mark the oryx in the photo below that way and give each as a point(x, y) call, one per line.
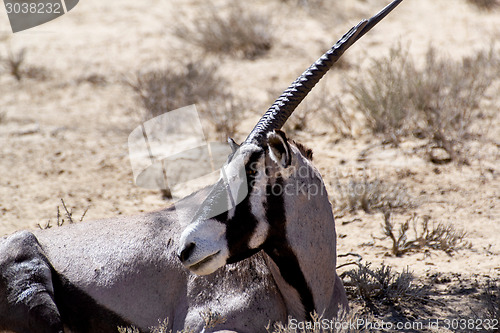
point(258, 257)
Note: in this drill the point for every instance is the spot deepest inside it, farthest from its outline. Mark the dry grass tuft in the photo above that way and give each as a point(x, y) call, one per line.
point(437, 237)
point(345, 322)
point(235, 30)
point(161, 328)
point(485, 4)
point(61, 219)
point(212, 319)
point(436, 102)
point(382, 286)
point(371, 195)
point(166, 89)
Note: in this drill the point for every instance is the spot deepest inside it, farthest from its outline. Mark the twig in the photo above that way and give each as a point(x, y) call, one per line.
point(356, 262)
point(68, 213)
point(85, 212)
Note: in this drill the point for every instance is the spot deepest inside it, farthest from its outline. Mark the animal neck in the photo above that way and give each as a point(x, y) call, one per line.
point(302, 245)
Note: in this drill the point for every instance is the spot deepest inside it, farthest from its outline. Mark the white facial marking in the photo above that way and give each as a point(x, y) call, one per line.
point(257, 200)
point(210, 251)
point(259, 235)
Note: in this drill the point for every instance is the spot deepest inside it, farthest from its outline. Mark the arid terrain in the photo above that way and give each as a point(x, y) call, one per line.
point(64, 124)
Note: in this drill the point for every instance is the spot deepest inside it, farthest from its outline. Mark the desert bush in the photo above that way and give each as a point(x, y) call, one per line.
point(436, 102)
point(371, 195)
point(337, 117)
point(438, 237)
point(14, 62)
point(485, 4)
point(15, 65)
point(382, 286)
point(166, 89)
point(233, 30)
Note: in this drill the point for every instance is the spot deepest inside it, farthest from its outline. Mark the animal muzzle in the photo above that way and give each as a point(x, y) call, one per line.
point(203, 247)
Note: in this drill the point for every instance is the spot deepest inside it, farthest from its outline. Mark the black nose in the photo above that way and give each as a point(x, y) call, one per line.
point(186, 252)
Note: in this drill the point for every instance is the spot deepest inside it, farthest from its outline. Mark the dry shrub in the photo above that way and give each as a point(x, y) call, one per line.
point(15, 65)
point(306, 3)
point(235, 30)
point(371, 195)
point(485, 4)
point(94, 79)
point(436, 102)
point(382, 286)
point(313, 7)
point(337, 117)
point(329, 13)
point(490, 299)
point(437, 237)
point(166, 89)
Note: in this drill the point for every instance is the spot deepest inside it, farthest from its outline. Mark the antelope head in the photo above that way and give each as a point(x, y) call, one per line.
point(245, 210)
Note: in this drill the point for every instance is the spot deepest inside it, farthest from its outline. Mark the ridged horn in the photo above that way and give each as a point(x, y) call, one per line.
point(276, 116)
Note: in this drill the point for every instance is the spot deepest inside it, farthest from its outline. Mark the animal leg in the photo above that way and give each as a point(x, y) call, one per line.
point(26, 291)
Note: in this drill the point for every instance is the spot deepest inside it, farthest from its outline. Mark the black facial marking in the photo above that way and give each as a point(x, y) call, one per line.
point(277, 247)
point(240, 228)
point(80, 312)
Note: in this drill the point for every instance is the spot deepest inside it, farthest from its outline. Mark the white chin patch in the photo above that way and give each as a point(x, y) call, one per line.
point(209, 264)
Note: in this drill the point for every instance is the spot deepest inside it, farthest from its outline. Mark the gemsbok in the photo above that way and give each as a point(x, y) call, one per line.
point(261, 249)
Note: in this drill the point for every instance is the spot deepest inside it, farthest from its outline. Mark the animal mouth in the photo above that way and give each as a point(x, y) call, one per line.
point(203, 261)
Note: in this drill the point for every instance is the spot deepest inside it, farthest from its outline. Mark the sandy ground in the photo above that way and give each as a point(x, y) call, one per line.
point(65, 137)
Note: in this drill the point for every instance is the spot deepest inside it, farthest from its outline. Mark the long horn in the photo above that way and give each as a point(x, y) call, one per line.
point(276, 116)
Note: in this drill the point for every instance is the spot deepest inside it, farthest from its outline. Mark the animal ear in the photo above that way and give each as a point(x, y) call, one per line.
point(234, 146)
point(279, 148)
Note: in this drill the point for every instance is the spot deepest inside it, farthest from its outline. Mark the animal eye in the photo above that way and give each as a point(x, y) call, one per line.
point(251, 172)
